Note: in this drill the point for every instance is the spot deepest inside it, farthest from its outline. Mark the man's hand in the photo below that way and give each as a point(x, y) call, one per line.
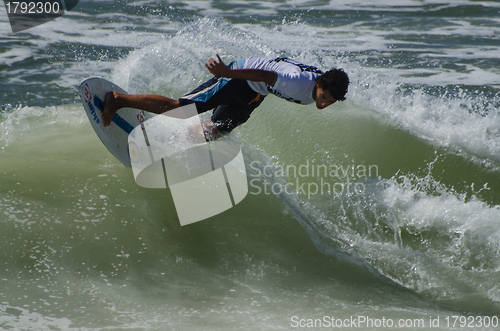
point(218, 69)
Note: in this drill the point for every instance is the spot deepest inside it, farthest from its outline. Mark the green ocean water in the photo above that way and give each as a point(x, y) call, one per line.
point(414, 244)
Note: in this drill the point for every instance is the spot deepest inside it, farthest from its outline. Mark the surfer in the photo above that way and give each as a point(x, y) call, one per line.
point(237, 89)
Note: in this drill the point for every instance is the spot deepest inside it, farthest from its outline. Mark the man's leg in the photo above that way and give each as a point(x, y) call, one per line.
point(153, 103)
point(149, 102)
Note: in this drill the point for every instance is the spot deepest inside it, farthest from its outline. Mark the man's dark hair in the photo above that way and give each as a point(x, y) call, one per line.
point(335, 82)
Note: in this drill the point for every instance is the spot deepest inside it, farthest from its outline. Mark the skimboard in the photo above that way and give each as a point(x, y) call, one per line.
point(115, 136)
point(204, 178)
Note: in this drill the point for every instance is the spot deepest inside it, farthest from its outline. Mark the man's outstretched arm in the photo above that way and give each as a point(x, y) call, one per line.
point(219, 69)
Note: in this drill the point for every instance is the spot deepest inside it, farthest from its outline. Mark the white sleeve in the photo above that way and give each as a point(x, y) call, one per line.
point(289, 83)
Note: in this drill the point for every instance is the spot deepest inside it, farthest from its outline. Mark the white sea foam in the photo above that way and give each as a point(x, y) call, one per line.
point(177, 64)
point(413, 230)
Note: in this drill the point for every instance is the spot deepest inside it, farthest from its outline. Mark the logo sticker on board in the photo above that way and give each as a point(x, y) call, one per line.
point(86, 93)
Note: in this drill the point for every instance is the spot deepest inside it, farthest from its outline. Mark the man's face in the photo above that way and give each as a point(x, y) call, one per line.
point(323, 98)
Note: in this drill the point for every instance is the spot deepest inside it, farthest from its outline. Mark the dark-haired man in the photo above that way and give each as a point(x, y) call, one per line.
point(239, 88)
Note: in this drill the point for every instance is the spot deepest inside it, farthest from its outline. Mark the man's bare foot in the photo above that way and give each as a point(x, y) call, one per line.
point(110, 108)
point(210, 130)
